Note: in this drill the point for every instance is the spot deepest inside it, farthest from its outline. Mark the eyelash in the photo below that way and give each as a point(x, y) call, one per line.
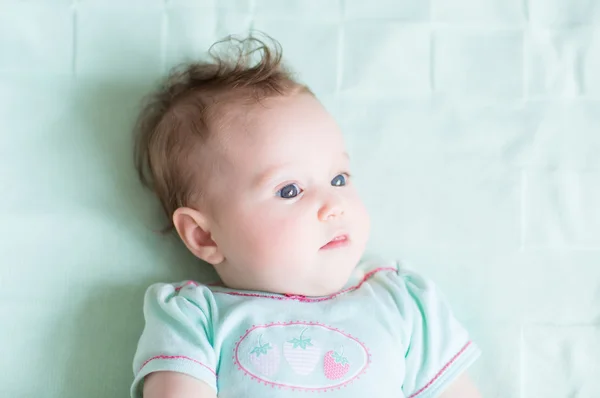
point(347, 176)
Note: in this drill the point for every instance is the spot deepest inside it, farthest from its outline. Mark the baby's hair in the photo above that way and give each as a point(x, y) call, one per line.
point(185, 110)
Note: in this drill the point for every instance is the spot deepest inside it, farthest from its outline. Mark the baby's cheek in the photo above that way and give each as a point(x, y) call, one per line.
point(272, 234)
point(278, 234)
point(279, 239)
point(254, 229)
point(360, 219)
point(365, 219)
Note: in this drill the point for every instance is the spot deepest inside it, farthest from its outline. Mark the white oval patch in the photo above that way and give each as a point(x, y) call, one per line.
point(301, 356)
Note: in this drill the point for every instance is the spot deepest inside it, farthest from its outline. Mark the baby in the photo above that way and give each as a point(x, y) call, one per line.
point(253, 175)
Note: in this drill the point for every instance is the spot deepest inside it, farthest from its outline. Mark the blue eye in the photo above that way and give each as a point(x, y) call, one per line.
point(289, 191)
point(339, 180)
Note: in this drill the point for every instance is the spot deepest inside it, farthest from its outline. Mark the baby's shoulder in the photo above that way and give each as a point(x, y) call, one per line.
point(179, 294)
point(397, 277)
point(398, 270)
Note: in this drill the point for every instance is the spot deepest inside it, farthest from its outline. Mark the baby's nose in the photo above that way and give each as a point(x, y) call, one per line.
point(330, 210)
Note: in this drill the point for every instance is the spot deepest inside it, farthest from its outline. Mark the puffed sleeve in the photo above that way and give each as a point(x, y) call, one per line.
point(177, 335)
point(438, 348)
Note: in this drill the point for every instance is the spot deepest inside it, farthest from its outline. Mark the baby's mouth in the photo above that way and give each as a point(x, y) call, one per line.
point(337, 242)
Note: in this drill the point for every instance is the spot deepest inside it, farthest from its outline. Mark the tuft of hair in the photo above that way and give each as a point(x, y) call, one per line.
point(184, 111)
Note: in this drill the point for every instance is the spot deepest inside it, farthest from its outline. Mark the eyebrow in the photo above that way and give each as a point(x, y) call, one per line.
point(268, 175)
point(272, 172)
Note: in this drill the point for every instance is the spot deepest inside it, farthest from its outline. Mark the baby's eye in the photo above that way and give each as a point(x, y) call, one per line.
point(289, 191)
point(339, 180)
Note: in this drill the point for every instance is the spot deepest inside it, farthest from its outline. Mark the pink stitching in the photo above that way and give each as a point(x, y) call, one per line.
point(176, 357)
point(441, 371)
point(178, 288)
point(305, 299)
point(288, 296)
point(295, 388)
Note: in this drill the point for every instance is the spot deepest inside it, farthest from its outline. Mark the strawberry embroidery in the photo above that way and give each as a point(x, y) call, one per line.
point(302, 354)
point(335, 365)
point(265, 358)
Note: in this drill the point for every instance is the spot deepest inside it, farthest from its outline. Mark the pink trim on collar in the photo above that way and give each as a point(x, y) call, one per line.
point(288, 296)
point(305, 299)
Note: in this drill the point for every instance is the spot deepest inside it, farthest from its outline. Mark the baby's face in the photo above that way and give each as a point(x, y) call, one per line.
point(280, 194)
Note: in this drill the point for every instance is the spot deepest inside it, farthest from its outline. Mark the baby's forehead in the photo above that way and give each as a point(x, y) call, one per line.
point(278, 129)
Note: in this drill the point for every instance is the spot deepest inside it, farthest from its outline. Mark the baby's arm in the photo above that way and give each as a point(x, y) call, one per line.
point(176, 385)
point(463, 387)
point(438, 349)
point(174, 357)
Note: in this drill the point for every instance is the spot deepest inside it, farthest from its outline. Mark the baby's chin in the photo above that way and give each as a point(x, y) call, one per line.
point(323, 278)
point(328, 290)
point(329, 284)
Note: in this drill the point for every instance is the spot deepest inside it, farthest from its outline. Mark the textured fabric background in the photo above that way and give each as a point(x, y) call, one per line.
point(474, 127)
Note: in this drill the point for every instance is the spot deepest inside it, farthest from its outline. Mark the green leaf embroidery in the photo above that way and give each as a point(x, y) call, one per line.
point(261, 348)
point(340, 358)
point(301, 342)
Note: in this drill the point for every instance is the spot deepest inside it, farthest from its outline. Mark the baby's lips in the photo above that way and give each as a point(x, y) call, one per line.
point(343, 238)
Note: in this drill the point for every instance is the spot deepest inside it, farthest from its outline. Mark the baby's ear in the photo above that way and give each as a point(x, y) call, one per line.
point(193, 229)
